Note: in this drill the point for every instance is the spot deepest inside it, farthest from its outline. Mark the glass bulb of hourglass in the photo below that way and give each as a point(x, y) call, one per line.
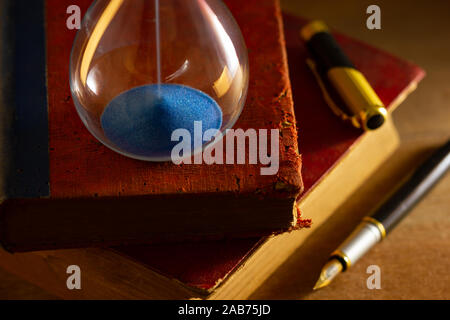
point(140, 69)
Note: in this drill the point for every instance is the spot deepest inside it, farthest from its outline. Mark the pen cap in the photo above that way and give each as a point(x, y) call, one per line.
point(323, 48)
point(365, 107)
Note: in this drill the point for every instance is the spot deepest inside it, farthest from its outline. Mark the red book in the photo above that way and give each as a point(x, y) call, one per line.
point(198, 269)
point(323, 141)
point(75, 192)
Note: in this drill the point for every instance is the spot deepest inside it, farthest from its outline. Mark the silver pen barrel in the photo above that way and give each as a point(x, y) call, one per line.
point(362, 239)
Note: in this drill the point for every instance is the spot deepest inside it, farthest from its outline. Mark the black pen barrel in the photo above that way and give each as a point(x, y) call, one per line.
point(327, 53)
point(422, 180)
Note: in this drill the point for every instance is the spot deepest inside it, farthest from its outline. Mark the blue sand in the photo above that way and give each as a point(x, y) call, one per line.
point(140, 121)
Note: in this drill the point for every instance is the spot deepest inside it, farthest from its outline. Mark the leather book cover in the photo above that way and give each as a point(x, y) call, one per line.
point(64, 189)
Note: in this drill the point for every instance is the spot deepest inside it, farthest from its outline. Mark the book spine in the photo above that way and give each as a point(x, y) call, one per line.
point(27, 170)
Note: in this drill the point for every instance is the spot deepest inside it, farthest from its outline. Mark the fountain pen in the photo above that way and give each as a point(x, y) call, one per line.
point(354, 100)
point(374, 228)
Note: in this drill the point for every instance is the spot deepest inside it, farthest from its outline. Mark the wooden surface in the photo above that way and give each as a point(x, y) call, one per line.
point(414, 260)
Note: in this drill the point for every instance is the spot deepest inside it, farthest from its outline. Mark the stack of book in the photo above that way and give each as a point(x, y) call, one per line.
point(136, 229)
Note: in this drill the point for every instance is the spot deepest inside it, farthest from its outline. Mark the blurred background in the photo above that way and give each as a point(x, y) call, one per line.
point(415, 258)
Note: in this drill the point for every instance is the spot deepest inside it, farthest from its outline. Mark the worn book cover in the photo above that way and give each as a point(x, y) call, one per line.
point(64, 189)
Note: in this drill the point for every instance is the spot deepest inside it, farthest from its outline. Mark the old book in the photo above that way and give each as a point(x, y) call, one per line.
point(63, 189)
point(337, 160)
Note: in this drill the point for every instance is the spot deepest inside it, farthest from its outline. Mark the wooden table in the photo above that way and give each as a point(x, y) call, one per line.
point(415, 258)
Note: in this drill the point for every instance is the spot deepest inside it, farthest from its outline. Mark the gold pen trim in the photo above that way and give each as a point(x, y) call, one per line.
point(343, 256)
point(363, 102)
point(329, 101)
point(378, 224)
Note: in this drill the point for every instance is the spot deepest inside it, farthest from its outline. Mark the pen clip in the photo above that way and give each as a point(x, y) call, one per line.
point(327, 97)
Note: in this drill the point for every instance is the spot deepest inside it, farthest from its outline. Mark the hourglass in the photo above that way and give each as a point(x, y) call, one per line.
point(141, 69)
